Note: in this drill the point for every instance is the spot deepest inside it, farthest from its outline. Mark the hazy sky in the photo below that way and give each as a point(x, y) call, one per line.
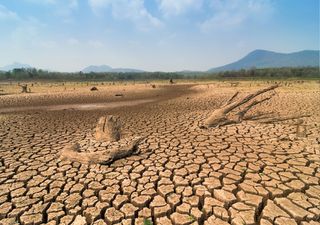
point(167, 35)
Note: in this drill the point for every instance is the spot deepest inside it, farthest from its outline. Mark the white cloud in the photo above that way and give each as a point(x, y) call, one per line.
point(97, 5)
point(42, 1)
point(61, 8)
point(73, 41)
point(65, 9)
point(29, 34)
point(95, 44)
point(47, 44)
point(6, 14)
point(26, 33)
point(68, 3)
point(177, 7)
point(73, 4)
point(130, 10)
point(226, 14)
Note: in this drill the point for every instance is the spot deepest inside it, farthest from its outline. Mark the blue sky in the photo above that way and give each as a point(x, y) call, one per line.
point(166, 35)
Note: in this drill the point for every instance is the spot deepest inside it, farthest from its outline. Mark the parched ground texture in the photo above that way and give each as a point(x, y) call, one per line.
point(247, 173)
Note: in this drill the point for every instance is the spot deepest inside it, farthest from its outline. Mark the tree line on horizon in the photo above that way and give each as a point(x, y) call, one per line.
point(265, 73)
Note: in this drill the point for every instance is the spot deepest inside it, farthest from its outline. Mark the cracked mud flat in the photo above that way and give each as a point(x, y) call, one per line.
point(248, 173)
point(93, 106)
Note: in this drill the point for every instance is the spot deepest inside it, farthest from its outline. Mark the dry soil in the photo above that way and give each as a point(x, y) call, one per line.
point(248, 173)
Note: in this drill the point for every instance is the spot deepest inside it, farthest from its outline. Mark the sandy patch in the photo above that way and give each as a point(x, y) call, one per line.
point(86, 107)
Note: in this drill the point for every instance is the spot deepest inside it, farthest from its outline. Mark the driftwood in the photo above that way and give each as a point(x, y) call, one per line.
point(108, 129)
point(107, 146)
point(221, 116)
point(72, 152)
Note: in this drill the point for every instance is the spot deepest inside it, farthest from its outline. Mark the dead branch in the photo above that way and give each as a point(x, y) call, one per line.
point(230, 100)
point(241, 113)
point(272, 120)
point(219, 117)
point(261, 116)
point(244, 100)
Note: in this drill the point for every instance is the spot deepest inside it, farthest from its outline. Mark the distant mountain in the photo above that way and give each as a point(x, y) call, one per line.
point(97, 69)
point(188, 71)
point(14, 65)
point(105, 68)
point(267, 59)
point(126, 70)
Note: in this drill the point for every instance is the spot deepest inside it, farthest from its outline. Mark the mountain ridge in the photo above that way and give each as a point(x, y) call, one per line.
point(15, 65)
point(106, 68)
point(260, 58)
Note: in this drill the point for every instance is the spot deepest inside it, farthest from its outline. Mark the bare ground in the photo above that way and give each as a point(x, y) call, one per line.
point(248, 173)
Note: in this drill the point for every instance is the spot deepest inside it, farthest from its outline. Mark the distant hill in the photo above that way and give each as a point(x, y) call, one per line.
point(188, 71)
point(268, 59)
point(14, 65)
point(105, 68)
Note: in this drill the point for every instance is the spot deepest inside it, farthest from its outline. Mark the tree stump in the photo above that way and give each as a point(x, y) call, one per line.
point(107, 146)
point(24, 88)
point(108, 129)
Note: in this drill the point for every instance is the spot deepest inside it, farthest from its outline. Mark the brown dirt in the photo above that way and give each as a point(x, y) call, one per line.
point(247, 173)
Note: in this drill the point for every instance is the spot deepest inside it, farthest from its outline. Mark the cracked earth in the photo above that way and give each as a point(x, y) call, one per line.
point(247, 173)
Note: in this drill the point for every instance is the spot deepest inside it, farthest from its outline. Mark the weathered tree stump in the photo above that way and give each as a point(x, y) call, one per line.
point(24, 88)
point(108, 129)
point(107, 147)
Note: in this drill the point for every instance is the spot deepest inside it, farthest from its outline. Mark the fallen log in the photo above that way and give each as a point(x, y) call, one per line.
point(73, 153)
point(221, 116)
